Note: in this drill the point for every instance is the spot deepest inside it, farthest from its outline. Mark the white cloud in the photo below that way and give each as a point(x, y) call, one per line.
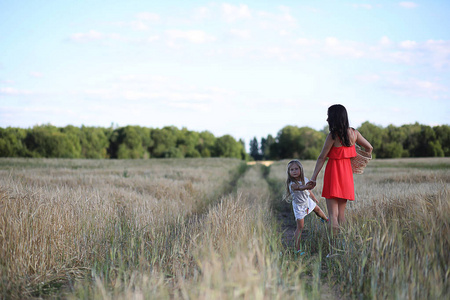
point(305, 42)
point(408, 45)
point(142, 21)
point(439, 52)
point(158, 91)
point(365, 6)
point(241, 33)
point(193, 36)
point(189, 105)
point(368, 78)
point(152, 38)
point(202, 13)
point(139, 25)
point(93, 35)
point(415, 88)
point(385, 41)
point(406, 4)
point(232, 13)
point(432, 52)
point(8, 81)
point(277, 21)
point(147, 16)
point(36, 74)
point(9, 91)
point(336, 47)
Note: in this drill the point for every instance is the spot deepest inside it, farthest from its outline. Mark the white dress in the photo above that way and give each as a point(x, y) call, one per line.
point(301, 202)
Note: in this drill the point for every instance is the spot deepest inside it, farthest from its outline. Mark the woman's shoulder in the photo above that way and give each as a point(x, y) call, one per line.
point(353, 135)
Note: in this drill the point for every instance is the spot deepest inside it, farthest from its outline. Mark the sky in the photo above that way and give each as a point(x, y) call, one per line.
point(244, 68)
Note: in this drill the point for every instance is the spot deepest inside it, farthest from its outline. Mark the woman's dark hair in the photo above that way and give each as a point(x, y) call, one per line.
point(338, 123)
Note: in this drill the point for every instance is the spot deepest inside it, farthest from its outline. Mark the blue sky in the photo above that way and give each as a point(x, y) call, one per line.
point(245, 68)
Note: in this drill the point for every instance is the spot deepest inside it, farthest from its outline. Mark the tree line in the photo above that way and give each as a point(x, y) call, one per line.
point(129, 142)
point(132, 142)
point(412, 140)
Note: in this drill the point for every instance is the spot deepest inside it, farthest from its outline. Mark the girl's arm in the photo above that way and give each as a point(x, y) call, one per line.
point(322, 157)
point(298, 187)
point(313, 197)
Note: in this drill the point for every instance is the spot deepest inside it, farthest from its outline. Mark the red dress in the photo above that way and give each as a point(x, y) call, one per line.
point(338, 177)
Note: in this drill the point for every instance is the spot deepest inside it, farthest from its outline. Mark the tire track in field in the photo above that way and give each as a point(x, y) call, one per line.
point(283, 214)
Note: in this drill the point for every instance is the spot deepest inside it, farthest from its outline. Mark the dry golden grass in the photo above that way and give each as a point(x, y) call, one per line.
point(205, 228)
point(396, 242)
point(59, 218)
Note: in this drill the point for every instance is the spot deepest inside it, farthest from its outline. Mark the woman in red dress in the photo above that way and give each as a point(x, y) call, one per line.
point(339, 147)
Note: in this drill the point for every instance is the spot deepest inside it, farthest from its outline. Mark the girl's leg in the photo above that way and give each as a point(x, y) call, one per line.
point(320, 213)
point(298, 233)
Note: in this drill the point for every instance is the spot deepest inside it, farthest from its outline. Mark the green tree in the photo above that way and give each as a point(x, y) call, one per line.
point(392, 150)
point(131, 144)
point(164, 139)
point(227, 146)
point(126, 143)
point(412, 141)
point(254, 149)
point(374, 134)
point(72, 135)
point(244, 155)
point(49, 141)
point(313, 141)
point(12, 142)
point(187, 143)
point(290, 143)
point(443, 137)
point(266, 144)
point(206, 142)
point(394, 139)
point(94, 142)
point(146, 138)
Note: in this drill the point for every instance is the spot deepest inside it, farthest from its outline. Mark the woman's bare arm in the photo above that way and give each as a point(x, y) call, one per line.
point(322, 157)
point(363, 142)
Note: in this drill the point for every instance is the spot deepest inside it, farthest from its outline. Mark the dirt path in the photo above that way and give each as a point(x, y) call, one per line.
point(286, 221)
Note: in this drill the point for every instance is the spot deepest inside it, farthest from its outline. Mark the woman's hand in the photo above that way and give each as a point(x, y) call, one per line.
point(310, 185)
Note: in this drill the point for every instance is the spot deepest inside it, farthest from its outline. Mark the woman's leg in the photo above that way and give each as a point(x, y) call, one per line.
point(333, 213)
point(298, 233)
point(342, 203)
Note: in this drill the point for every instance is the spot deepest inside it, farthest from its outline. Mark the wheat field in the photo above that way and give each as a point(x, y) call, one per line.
point(216, 229)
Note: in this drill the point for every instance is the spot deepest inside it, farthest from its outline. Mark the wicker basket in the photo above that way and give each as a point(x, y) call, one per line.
point(360, 161)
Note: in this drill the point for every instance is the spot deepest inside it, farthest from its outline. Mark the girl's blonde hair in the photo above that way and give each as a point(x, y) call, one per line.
point(290, 179)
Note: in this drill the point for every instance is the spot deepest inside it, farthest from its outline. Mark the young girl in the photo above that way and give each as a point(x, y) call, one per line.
point(298, 187)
